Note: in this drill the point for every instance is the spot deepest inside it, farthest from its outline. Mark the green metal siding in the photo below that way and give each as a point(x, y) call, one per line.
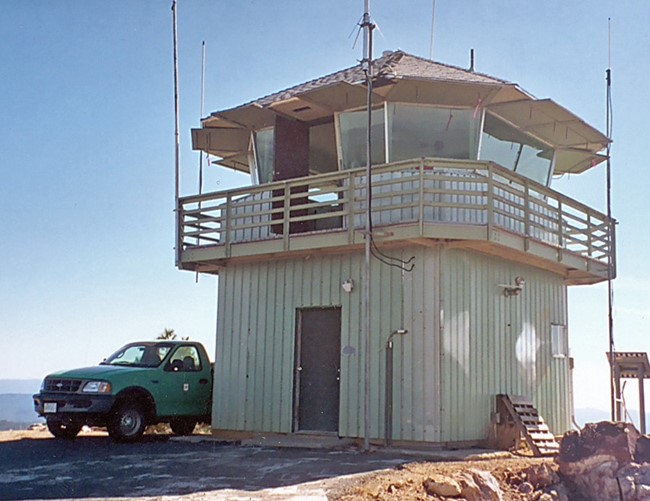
point(466, 342)
point(495, 344)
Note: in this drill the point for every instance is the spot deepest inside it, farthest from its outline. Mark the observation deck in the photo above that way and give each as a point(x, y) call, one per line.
point(428, 201)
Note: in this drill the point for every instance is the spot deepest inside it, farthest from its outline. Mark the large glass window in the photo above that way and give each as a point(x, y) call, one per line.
point(514, 150)
point(353, 126)
point(425, 131)
point(264, 154)
point(322, 148)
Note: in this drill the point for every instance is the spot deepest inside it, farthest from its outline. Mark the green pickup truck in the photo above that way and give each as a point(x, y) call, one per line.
point(140, 384)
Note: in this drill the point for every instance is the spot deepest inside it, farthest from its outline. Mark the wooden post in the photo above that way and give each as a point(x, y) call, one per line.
point(617, 392)
point(641, 373)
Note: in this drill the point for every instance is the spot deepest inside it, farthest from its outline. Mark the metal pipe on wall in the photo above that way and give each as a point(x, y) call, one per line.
point(388, 413)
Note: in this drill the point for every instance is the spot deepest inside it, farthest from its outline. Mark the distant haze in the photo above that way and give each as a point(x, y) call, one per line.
point(29, 386)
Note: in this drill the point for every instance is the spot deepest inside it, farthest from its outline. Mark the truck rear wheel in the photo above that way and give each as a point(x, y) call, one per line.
point(127, 423)
point(182, 426)
point(61, 430)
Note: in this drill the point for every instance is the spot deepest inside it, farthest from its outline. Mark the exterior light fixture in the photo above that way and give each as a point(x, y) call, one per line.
point(348, 285)
point(514, 290)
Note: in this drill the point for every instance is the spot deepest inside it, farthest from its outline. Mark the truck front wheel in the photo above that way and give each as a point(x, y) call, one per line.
point(127, 423)
point(61, 430)
point(182, 426)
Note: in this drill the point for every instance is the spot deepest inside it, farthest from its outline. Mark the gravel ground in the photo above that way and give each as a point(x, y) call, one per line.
point(35, 466)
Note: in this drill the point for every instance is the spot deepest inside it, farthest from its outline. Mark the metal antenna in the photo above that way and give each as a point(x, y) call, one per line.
point(201, 116)
point(366, 64)
point(615, 404)
point(198, 237)
point(177, 247)
point(433, 20)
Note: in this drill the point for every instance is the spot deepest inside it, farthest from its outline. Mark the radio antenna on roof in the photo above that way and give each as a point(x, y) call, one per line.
point(615, 403)
point(366, 65)
point(433, 20)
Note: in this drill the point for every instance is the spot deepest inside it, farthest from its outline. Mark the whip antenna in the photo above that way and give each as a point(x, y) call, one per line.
point(615, 404)
point(177, 153)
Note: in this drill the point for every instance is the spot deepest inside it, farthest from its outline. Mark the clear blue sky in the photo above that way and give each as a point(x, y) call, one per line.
point(87, 158)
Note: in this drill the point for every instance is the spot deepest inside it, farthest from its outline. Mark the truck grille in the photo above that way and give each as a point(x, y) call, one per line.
point(62, 385)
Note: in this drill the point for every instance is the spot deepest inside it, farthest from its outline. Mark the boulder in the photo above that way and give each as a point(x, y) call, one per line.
point(642, 451)
point(615, 440)
point(439, 485)
point(606, 460)
point(478, 485)
point(540, 475)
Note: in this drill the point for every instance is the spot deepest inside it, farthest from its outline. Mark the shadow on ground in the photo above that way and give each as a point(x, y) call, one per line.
point(97, 467)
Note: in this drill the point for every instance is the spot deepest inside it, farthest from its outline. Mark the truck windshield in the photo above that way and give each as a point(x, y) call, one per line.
point(139, 355)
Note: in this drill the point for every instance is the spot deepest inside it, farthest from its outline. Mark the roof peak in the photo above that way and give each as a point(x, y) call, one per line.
point(392, 64)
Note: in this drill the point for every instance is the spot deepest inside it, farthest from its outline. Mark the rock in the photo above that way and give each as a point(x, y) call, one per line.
point(526, 488)
point(540, 475)
point(439, 485)
point(606, 438)
point(642, 451)
point(559, 492)
point(545, 497)
point(643, 492)
point(477, 485)
point(591, 458)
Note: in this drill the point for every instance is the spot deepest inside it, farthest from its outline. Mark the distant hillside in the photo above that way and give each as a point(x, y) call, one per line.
point(30, 386)
point(8, 425)
point(17, 409)
point(595, 415)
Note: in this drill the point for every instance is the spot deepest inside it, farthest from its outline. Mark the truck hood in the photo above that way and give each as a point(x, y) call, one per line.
point(98, 372)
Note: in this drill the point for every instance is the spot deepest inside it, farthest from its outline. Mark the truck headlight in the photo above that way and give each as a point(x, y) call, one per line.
point(97, 387)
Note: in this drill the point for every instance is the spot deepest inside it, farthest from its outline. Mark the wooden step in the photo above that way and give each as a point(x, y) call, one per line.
point(529, 423)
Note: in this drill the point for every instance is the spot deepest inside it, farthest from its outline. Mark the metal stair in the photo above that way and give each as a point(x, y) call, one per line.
point(518, 410)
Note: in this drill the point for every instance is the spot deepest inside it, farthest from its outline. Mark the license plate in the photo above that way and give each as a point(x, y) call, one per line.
point(49, 407)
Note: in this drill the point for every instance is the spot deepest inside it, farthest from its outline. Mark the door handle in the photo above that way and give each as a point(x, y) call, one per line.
point(203, 381)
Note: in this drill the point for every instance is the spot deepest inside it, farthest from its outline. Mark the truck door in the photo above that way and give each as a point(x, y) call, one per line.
point(193, 382)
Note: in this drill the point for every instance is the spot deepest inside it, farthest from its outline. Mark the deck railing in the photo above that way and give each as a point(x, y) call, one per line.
point(425, 191)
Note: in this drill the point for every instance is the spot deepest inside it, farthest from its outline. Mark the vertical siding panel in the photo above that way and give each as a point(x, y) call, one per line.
point(269, 339)
point(446, 370)
point(251, 351)
point(283, 332)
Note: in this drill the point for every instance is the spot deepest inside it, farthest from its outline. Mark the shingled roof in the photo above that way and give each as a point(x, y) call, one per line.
point(392, 65)
point(405, 78)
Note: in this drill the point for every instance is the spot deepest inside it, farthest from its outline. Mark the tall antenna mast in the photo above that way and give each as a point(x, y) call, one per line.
point(177, 247)
point(433, 21)
point(615, 404)
point(366, 64)
point(201, 116)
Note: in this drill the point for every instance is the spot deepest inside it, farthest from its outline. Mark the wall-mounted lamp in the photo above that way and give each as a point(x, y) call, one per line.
point(348, 285)
point(513, 290)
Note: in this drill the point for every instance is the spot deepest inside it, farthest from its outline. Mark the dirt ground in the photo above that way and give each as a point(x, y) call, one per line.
point(407, 482)
point(307, 474)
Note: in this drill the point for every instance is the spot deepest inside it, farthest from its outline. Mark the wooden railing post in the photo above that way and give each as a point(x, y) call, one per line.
point(286, 227)
point(421, 199)
point(590, 241)
point(526, 215)
point(490, 201)
point(227, 224)
point(351, 212)
point(179, 230)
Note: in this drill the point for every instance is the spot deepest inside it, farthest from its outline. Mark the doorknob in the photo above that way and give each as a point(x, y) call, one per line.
point(299, 368)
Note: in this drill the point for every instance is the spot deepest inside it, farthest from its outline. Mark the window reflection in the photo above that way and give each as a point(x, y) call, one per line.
point(514, 150)
point(353, 126)
point(425, 131)
point(264, 154)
